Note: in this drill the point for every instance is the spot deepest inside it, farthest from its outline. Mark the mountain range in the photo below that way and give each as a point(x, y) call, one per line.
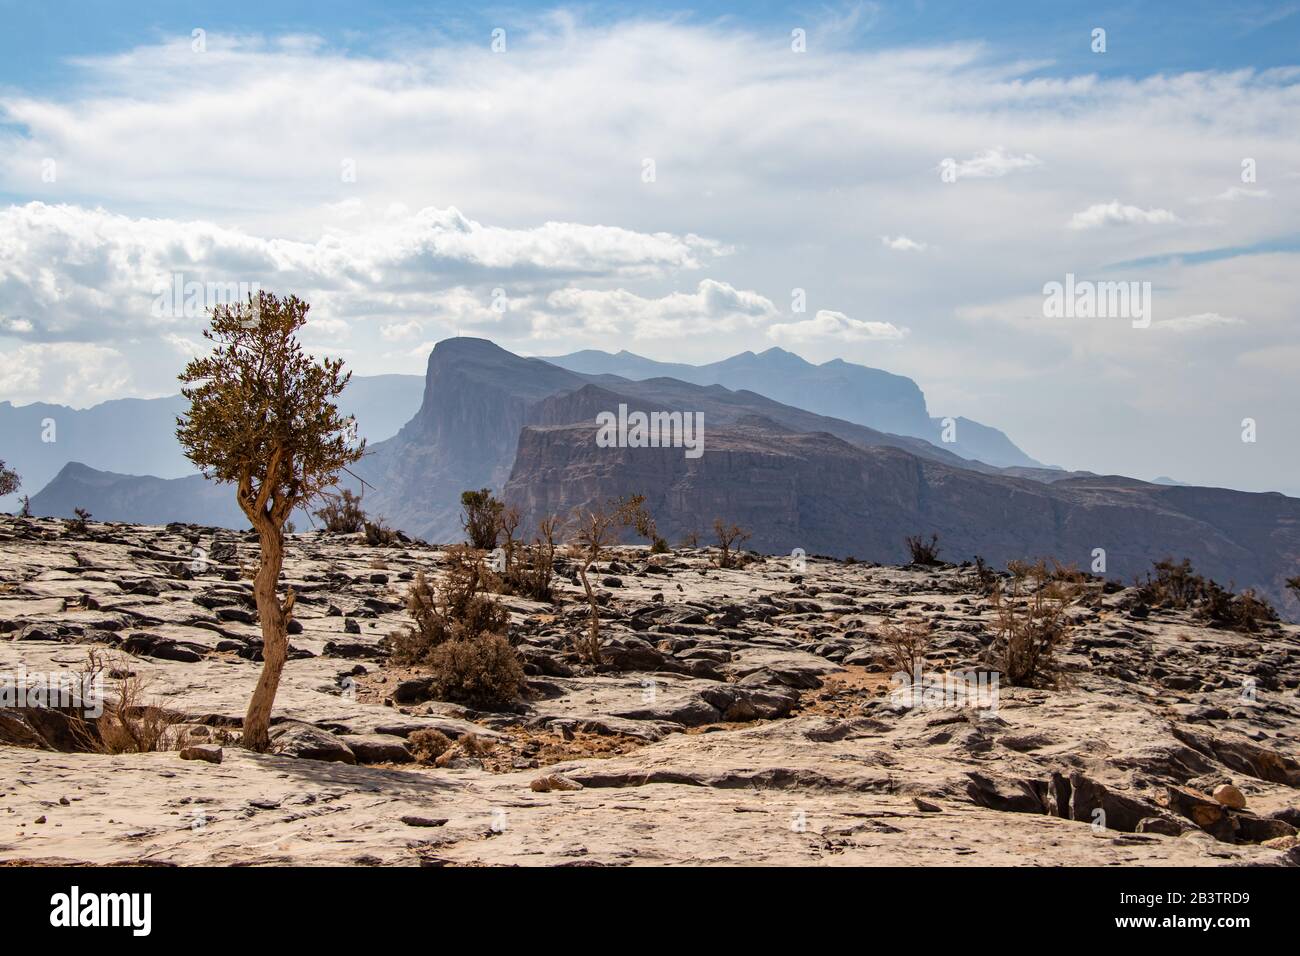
point(838, 389)
point(796, 479)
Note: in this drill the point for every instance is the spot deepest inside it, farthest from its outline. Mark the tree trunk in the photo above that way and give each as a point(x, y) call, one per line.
point(275, 639)
point(593, 638)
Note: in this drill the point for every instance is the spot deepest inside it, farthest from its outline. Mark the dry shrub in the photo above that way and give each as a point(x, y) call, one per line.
point(78, 524)
point(986, 579)
point(923, 552)
point(436, 748)
point(1031, 624)
point(130, 723)
point(457, 610)
point(426, 746)
point(342, 514)
point(457, 634)
point(483, 673)
point(729, 537)
point(906, 644)
point(378, 534)
point(1177, 585)
point(529, 569)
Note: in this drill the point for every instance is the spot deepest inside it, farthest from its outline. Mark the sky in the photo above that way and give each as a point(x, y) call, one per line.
point(893, 184)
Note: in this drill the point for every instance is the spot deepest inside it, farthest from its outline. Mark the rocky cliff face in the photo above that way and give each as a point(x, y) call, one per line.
point(478, 396)
point(826, 496)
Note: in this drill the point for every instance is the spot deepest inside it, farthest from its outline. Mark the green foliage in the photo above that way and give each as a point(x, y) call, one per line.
point(342, 514)
point(262, 412)
point(9, 480)
point(481, 519)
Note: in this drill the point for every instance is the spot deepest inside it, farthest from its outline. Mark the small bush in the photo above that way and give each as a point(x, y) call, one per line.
point(906, 644)
point(660, 546)
point(1031, 625)
point(530, 569)
point(483, 672)
point(426, 746)
point(379, 535)
point(129, 723)
point(458, 610)
point(729, 537)
point(1177, 585)
point(986, 579)
point(923, 552)
point(481, 519)
point(26, 510)
point(342, 514)
point(78, 524)
point(9, 480)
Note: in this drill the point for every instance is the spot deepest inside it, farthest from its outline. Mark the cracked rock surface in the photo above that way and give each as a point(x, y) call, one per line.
point(739, 717)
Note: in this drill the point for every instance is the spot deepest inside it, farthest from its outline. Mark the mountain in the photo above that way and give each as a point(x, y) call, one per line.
point(138, 436)
point(827, 496)
point(140, 499)
point(838, 389)
point(478, 396)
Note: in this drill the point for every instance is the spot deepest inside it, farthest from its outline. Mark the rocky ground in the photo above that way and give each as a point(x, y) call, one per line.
point(740, 717)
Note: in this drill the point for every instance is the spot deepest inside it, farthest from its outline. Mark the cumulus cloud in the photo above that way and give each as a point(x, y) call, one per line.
point(837, 326)
point(1115, 213)
point(76, 374)
point(67, 272)
point(713, 307)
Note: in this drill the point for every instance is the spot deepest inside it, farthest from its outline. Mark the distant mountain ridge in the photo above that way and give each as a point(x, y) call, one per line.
point(137, 436)
point(838, 389)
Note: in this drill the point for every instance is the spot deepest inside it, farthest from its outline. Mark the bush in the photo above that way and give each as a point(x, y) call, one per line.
point(428, 745)
point(986, 579)
point(729, 537)
point(481, 519)
point(660, 546)
point(924, 552)
point(483, 672)
point(342, 515)
point(128, 723)
point(456, 611)
point(906, 644)
point(78, 524)
point(1031, 625)
point(530, 569)
point(1177, 585)
point(378, 534)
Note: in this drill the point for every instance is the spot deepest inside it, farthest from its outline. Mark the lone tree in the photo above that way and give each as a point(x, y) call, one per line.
point(262, 416)
point(9, 480)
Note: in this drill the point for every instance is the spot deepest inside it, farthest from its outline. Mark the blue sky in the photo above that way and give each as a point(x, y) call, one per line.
point(1144, 38)
point(683, 184)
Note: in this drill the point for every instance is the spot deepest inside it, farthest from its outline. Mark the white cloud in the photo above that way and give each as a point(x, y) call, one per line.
point(1115, 213)
point(76, 374)
point(67, 272)
point(903, 244)
point(713, 307)
point(1195, 323)
point(993, 163)
point(835, 326)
